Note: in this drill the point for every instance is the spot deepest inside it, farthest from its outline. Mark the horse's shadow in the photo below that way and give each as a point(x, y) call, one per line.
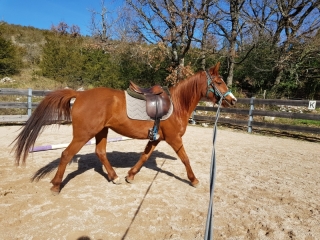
point(117, 159)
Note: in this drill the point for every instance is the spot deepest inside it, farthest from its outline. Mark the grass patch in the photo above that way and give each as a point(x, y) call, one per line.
point(29, 78)
point(301, 122)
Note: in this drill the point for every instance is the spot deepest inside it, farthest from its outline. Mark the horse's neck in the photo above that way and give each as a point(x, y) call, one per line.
point(194, 103)
point(187, 95)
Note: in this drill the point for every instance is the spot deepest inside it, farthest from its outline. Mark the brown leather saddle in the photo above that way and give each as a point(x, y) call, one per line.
point(157, 100)
point(157, 104)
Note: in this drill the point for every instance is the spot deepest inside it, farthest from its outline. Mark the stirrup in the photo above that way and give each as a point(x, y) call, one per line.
point(153, 134)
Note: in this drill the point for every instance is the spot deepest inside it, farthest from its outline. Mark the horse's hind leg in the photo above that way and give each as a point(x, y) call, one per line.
point(144, 157)
point(66, 157)
point(101, 143)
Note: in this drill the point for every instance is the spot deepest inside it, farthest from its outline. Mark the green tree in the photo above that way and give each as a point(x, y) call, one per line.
point(255, 74)
point(99, 69)
point(304, 70)
point(10, 59)
point(62, 59)
point(144, 64)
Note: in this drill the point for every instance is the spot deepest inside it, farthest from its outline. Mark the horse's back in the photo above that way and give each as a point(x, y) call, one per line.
point(97, 105)
point(98, 96)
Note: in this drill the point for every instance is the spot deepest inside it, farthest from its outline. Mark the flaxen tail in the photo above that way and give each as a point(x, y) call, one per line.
point(54, 108)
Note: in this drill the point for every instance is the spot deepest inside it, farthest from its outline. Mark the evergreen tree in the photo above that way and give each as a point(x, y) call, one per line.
point(62, 59)
point(10, 61)
point(99, 69)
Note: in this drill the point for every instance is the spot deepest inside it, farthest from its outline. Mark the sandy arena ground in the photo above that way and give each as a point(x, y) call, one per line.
point(266, 188)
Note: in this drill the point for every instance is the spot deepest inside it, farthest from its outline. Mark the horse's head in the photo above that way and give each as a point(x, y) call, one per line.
point(217, 88)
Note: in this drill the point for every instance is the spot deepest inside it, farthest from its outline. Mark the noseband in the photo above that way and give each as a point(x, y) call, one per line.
point(212, 88)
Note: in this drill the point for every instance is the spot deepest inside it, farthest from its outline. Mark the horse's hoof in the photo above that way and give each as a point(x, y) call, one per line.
point(116, 181)
point(129, 180)
point(54, 191)
point(195, 184)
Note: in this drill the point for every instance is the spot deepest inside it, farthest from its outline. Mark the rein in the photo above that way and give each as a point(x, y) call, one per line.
point(212, 88)
point(209, 224)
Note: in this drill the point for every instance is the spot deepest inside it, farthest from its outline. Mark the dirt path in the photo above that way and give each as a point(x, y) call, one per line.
point(266, 188)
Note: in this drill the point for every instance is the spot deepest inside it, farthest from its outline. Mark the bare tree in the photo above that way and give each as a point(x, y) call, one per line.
point(62, 28)
point(122, 25)
point(226, 19)
point(207, 40)
point(74, 31)
point(258, 16)
point(287, 24)
point(297, 19)
point(101, 25)
point(171, 22)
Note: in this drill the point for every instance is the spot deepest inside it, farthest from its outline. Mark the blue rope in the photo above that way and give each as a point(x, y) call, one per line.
point(209, 224)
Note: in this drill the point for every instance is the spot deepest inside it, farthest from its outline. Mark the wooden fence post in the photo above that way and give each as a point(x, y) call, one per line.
point(29, 102)
point(192, 121)
point(250, 115)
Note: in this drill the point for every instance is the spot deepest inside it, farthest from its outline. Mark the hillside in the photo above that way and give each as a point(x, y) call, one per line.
point(55, 59)
point(29, 41)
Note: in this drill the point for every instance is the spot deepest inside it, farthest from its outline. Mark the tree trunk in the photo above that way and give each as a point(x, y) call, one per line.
point(230, 71)
point(204, 41)
point(278, 77)
point(180, 69)
point(232, 54)
point(235, 6)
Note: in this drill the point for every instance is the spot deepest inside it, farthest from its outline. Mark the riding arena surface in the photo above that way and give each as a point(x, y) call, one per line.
point(266, 188)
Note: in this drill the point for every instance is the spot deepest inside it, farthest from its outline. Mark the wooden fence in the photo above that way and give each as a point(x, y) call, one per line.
point(247, 112)
point(29, 93)
point(250, 112)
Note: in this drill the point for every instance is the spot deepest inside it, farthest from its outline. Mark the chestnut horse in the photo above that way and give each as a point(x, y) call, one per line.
point(95, 111)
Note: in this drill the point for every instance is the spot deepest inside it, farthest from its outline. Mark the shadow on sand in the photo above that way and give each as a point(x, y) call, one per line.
point(117, 159)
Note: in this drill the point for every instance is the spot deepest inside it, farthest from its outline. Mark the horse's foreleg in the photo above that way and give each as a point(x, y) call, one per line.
point(178, 147)
point(66, 157)
point(143, 158)
point(101, 144)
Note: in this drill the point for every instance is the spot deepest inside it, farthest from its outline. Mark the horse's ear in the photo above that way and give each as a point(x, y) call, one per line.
point(215, 70)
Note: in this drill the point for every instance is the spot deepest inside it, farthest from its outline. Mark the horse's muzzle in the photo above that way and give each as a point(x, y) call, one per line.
point(231, 99)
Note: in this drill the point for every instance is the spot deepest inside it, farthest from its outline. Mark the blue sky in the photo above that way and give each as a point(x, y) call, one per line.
point(43, 13)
